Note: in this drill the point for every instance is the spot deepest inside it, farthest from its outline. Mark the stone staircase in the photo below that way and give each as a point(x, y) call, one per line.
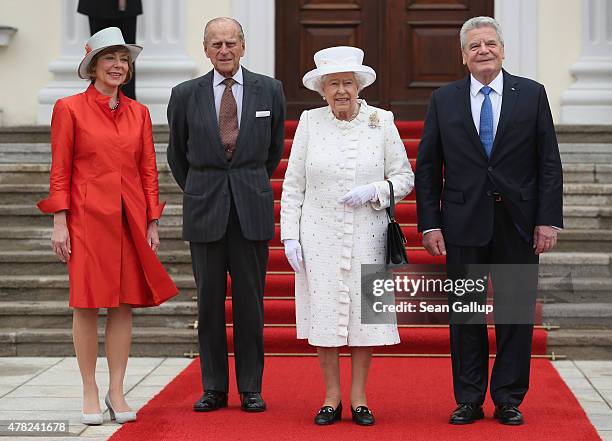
point(35, 320)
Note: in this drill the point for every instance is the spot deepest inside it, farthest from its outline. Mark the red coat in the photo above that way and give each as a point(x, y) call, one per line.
point(103, 172)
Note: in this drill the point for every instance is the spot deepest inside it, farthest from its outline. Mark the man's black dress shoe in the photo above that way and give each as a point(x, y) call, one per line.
point(328, 415)
point(362, 416)
point(466, 413)
point(252, 402)
point(508, 414)
point(211, 400)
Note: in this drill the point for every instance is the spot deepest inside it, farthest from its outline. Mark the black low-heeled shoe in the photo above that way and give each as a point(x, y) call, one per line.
point(362, 416)
point(211, 400)
point(252, 402)
point(466, 413)
point(508, 414)
point(328, 415)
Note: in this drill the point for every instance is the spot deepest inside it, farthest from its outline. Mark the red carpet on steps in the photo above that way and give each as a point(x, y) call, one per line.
point(424, 340)
point(411, 399)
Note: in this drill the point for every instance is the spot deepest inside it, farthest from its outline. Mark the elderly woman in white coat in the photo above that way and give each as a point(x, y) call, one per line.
point(333, 219)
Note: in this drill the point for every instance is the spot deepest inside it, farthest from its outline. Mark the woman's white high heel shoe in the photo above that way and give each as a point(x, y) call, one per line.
point(92, 419)
point(120, 417)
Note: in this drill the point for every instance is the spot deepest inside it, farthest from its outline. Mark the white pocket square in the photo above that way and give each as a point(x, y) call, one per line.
point(262, 113)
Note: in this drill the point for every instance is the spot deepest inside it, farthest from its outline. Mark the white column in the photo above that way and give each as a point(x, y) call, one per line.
point(519, 22)
point(257, 20)
point(162, 64)
point(75, 32)
point(589, 99)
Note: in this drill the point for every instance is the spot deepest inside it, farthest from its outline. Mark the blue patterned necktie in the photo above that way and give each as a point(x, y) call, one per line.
point(486, 121)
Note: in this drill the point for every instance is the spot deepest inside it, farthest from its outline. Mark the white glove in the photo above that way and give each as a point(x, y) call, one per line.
point(359, 195)
point(293, 252)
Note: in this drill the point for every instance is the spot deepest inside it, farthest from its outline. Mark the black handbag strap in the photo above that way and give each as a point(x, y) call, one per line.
point(391, 208)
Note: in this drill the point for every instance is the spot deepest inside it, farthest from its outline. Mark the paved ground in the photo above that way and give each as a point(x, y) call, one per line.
point(49, 389)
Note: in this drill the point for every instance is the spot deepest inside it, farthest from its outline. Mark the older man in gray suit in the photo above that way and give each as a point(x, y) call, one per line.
point(226, 139)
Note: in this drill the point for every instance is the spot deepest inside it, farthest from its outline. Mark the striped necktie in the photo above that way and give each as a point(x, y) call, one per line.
point(486, 121)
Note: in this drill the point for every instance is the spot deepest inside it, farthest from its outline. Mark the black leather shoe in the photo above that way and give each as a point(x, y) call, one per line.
point(252, 402)
point(328, 415)
point(362, 416)
point(508, 414)
point(211, 400)
point(466, 413)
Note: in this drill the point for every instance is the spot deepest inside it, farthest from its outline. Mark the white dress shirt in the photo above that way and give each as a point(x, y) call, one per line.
point(476, 99)
point(237, 88)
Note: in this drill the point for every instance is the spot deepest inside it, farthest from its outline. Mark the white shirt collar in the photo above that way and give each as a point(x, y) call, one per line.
point(218, 78)
point(497, 84)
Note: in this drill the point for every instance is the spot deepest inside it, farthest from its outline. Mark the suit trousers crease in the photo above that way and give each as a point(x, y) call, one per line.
point(469, 342)
point(128, 29)
point(246, 262)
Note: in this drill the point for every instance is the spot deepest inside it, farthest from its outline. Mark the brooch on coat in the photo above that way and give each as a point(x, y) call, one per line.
point(374, 121)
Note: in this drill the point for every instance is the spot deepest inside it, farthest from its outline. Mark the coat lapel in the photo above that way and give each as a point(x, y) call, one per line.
point(509, 98)
point(249, 97)
point(465, 110)
point(206, 105)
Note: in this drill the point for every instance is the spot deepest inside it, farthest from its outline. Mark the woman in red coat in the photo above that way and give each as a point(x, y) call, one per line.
point(104, 196)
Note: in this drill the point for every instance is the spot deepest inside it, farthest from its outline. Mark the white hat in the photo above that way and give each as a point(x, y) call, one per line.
point(339, 59)
point(101, 40)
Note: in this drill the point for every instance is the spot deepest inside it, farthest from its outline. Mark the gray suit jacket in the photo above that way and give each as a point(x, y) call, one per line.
point(200, 167)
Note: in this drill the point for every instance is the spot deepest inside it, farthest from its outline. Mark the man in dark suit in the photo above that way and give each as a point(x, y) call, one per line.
point(226, 139)
point(489, 190)
point(119, 13)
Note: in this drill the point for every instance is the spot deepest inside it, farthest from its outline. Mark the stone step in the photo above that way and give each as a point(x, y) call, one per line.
point(56, 314)
point(167, 342)
point(571, 289)
point(581, 344)
point(181, 314)
point(552, 289)
point(597, 216)
point(46, 263)
point(587, 216)
point(38, 173)
point(578, 315)
point(577, 152)
point(29, 215)
point(38, 238)
point(584, 240)
point(146, 342)
point(33, 288)
point(592, 173)
point(31, 186)
point(582, 194)
point(40, 153)
point(30, 194)
point(178, 262)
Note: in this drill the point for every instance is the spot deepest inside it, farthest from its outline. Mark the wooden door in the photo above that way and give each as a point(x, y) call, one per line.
point(413, 45)
point(423, 40)
point(305, 26)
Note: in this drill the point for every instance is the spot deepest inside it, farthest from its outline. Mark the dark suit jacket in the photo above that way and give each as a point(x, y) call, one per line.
point(109, 8)
point(454, 174)
point(200, 167)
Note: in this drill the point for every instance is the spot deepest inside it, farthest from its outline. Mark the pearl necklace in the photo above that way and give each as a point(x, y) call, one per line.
point(116, 105)
point(353, 116)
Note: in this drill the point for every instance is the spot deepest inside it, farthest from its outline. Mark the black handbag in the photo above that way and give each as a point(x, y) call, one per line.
point(396, 241)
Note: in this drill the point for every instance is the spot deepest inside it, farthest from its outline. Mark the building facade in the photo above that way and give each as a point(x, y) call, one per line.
point(564, 44)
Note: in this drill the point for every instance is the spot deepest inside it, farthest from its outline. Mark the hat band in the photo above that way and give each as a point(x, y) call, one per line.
point(351, 61)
